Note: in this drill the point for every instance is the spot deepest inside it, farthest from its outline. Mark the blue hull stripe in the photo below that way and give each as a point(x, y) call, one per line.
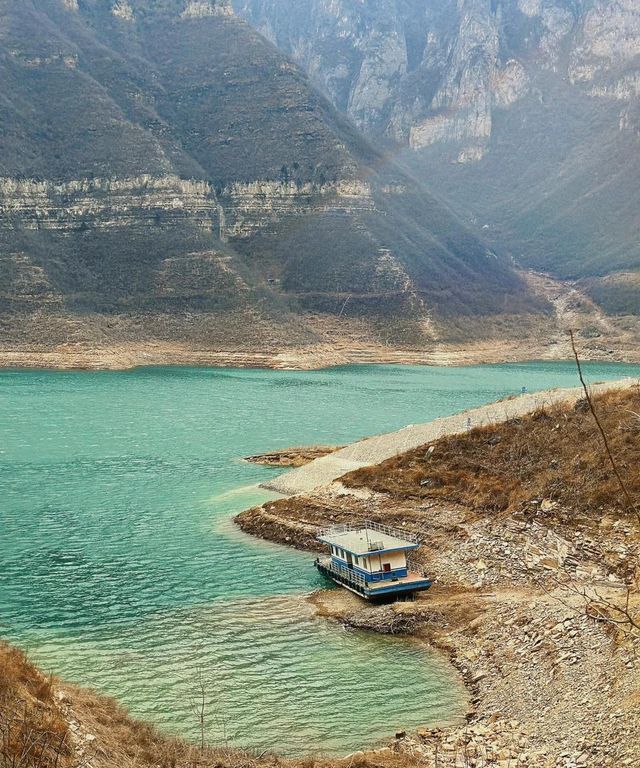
point(366, 591)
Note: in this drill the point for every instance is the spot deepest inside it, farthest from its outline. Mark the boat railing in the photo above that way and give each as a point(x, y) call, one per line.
point(372, 525)
point(413, 566)
point(343, 573)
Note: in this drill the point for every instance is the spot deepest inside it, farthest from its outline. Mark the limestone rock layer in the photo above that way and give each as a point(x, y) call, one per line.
point(167, 174)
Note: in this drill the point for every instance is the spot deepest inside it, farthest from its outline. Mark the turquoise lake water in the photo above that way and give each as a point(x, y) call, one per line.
point(120, 567)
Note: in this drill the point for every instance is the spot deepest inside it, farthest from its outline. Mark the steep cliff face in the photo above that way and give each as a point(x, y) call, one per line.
point(166, 173)
point(525, 113)
point(435, 72)
point(408, 70)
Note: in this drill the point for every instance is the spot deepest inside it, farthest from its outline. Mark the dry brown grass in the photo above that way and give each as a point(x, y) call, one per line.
point(32, 730)
point(35, 733)
point(555, 454)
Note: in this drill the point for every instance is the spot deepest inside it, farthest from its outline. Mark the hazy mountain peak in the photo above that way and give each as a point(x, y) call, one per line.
point(524, 113)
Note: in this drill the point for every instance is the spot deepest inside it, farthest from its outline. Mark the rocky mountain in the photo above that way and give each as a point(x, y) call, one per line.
point(525, 114)
point(167, 176)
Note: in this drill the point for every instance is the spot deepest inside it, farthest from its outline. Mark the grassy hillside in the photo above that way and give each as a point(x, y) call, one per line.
point(553, 459)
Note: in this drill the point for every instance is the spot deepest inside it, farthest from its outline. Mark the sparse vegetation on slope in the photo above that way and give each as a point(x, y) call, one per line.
point(33, 732)
point(45, 723)
point(555, 455)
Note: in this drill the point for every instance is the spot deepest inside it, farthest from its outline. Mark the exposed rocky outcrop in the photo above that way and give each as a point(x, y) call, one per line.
point(430, 72)
point(250, 207)
point(196, 9)
point(524, 113)
point(170, 177)
point(105, 203)
point(292, 457)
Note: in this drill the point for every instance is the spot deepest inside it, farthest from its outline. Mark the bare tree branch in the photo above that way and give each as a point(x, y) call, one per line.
point(630, 503)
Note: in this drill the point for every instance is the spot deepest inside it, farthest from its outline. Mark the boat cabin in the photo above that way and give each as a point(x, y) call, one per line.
point(372, 560)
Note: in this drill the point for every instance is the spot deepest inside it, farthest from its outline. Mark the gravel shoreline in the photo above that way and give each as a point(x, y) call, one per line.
point(549, 686)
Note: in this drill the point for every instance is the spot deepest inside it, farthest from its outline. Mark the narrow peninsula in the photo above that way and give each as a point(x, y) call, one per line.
point(533, 545)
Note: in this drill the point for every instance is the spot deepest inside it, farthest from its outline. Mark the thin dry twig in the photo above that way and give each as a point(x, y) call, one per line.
point(632, 506)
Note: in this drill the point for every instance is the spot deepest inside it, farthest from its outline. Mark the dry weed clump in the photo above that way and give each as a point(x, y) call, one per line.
point(32, 731)
point(554, 454)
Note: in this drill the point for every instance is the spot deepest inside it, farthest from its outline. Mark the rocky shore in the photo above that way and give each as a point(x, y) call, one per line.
point(549, 688)
point(528, 604)
point(292, 457)
point(345, 344)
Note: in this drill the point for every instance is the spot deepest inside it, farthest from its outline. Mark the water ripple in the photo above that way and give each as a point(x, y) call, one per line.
point(120, 569)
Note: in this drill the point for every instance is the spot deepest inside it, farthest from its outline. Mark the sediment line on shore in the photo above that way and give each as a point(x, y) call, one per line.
point(128, 355)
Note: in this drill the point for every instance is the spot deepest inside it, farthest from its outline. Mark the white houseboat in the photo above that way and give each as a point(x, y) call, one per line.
point(372, 560)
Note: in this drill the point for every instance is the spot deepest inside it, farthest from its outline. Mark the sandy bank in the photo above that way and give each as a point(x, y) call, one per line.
point(374, 450)
point(337, 351)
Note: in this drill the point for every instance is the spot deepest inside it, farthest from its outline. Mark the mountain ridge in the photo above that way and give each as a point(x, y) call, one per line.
point(523, 114)
point(173, 189)
point(169, 176)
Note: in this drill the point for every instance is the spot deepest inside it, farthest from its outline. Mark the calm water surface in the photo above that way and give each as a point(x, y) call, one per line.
point(120, 568)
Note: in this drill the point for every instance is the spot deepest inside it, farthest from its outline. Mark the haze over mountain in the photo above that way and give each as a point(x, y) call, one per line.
point(525, 114)
point(170, 176)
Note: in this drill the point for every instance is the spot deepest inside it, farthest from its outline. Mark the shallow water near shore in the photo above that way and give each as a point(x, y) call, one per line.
point(120, 568)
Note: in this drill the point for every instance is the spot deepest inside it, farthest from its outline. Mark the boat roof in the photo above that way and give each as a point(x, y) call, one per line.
point(365, 540)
